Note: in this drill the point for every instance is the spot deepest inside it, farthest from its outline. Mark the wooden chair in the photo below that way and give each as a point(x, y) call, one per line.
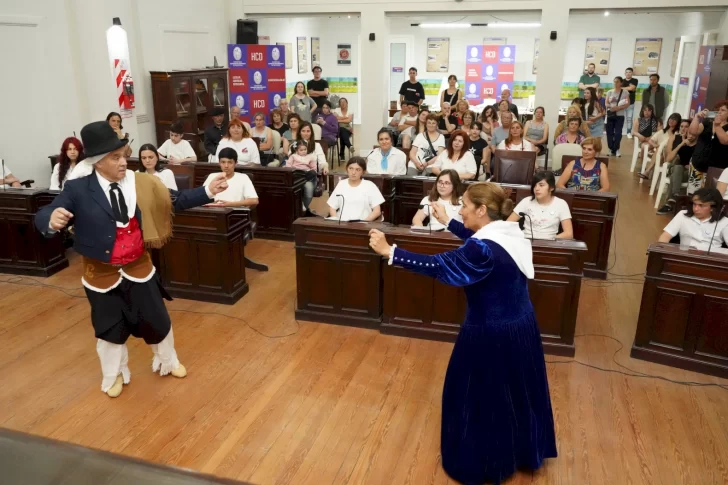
point(513, 167)
point(711, 178)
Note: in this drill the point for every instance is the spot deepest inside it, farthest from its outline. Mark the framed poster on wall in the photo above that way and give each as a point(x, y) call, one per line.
point(438, 54)
point(598, 51)
point(535, 56)
point(675, 50)
point(343, 56)
point(646, 56)
point(315, 52)
point(302, 60)
point(289, 54)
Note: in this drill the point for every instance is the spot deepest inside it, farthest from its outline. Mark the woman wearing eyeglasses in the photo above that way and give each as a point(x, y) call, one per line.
point(447, 193)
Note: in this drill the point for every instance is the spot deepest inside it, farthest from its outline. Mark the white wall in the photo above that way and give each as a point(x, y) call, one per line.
point(331, 31)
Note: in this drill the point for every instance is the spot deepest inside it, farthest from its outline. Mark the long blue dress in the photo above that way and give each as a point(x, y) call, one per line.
point(496, 408)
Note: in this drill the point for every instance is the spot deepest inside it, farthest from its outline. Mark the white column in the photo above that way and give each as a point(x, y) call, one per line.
point(551, 59)
point(373, 80)
point(723, 30)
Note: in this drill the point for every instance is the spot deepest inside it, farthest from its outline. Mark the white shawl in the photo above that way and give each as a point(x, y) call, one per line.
point(510, 237)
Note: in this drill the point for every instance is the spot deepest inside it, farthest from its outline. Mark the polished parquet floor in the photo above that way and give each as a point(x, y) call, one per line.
point(274, 401)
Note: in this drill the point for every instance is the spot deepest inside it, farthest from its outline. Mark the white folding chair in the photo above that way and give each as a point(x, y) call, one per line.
point(659, 154)
point(635, 153)
point(316, 132)
point(277, 143)
point(665, 181)
point(563, 149)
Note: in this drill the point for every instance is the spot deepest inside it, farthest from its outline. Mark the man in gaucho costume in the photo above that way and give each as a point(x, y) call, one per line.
point(117, 214)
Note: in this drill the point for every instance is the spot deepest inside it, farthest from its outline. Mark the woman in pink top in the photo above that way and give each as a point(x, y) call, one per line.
point(304, 158)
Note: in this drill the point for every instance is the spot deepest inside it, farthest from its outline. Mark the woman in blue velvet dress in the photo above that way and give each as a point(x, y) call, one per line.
point(496, 408)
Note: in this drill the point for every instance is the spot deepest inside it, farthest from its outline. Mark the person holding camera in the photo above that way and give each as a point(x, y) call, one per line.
point(617, 102)
point(425, 148)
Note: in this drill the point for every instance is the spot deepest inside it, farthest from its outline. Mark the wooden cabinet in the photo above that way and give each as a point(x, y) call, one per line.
point(190, 97)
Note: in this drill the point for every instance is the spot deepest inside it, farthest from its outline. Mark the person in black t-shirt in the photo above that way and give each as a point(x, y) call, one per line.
point(679, 157)
point(478, 148)
point(412, 90)
point(215, 132)
point(318, 89)
point(448, 122)
point(712, 148)
point(629, 84)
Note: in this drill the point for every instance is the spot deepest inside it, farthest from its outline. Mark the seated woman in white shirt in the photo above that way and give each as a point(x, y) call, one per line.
point(457, 157)
point(71, 153)
point(176, 149)
point(447, 193)
point(545, 211)
point(238, 138)
point(7, 179)
point(240, 191)
point(151, 164)
point(305, 134)
point(701, 226)
point(722, 184)
point(425, 148)
point(386, 159)
point(356, 199)
point(515, 139)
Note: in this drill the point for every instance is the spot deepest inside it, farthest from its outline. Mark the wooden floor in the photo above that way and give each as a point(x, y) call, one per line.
point(272, 401)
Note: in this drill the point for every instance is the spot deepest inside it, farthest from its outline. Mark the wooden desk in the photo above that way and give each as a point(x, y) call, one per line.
point(23, 250)
point(205, 258)
point(592, 214)
point(341, 280)
point(280, 191)
point(683, 319)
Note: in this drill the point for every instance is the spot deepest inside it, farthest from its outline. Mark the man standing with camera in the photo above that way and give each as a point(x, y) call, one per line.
point(617, 102)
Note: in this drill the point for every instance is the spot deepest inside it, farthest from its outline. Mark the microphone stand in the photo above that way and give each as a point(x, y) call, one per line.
point(530, 222)
point(711, 237)
point(5, 186)
point(343, 203)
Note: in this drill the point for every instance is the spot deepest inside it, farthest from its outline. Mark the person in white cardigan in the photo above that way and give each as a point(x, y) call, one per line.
point(71, 153)
point(238, 138)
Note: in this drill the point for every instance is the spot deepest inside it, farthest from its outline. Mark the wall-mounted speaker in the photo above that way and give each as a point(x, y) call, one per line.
point(371, 36)
point(553, 35)
point(247, 32)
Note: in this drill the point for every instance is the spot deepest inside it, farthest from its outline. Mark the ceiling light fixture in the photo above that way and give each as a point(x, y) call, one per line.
point(445, 26)
point(606, 13)
point(514, 25)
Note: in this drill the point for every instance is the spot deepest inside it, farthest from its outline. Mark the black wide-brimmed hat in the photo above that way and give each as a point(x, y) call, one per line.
point(99, 138)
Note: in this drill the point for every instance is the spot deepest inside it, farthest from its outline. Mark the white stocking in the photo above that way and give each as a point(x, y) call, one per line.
point(165, 357)
point(114, 361)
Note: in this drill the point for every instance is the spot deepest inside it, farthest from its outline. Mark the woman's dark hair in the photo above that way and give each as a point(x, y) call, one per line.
point(572, 120)
point(177, 127)
point(578, 101)
point(485, 113)
point(159, 165)
point(464, 149)
point(295, 88)
point(504, 101)
point(416, 129)
point(457, 188)
point(546, 175)
point(677, 118)
point(587, 110)
point(620, 79)
point(229, 153)
point(651, 108)
point(111, 115)
point(296, 144)
point(311, 143)
point(344, 99)
point(64, 163)
point(386, 132)
point(707, 195)
point(452, 76)
point(361, 161)
point(326, 103)
point(478, 124)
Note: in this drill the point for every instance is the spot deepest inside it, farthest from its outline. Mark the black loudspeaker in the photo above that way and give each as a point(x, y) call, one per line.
point(553, 35)
point(371, 36)
point(247, 32)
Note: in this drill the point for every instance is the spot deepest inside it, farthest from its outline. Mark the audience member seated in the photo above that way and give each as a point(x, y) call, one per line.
point(537, 130)
point(701, 225)
point(679, 154)
point(305, 135)
point(452, 94)
point(386, 159)
point(114, 119)
point(573, 112)
point(411, 133)
point(722, 184)
point(238, 138)
point(515, 139)
point(427, 146)
point(461, 108)
point(240, 191)
point(503, 107)
point(294, 123)
point(593, 113)
point(644, 126)
point(71, 153)
point(446, 195)
point(318, 88)
point(506, 96)
point(262, 133)
point(571, 135)
point(329, 124)
point(447, 122)
point(489, 119)
point(586, 173)
point(151, 164)
point(283, 106)
point(545, 211)
point(215, 132)
point(277, 123)
point(479, 147)
point(304, 158)
point(234, 114)
point(409, 119)
point(468, 119)
point(501, 132)
point(301, 103)
point(712, 148)
point(579, 103)
point(663, 134)
point(176, 149)
point(9, 179)
point(346, 127)
point(457, 157)
point(355, 199)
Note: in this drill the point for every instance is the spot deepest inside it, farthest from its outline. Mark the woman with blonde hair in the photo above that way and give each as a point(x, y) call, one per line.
point(496, 407)
point(573, 112)
point(515, 140)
